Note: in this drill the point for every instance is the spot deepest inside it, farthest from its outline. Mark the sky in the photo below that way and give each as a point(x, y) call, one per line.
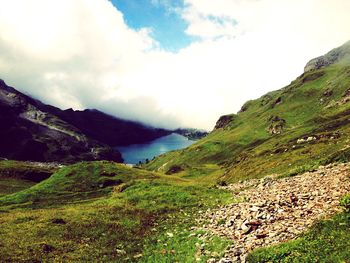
point(162, 17)
point(179, 63)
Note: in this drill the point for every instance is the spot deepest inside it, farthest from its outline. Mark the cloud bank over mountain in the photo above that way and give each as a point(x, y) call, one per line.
point(82, 54)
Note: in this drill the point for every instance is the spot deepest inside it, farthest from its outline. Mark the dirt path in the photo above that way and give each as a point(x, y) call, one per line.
point(275, 210)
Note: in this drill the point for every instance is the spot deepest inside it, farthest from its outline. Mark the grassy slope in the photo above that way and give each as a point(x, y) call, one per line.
point(16, 176)
point(10, 185)
point(245, 149)
point(73, 217)
point(327, 241)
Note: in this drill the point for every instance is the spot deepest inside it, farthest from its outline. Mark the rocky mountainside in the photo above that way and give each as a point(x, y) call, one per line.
point(276, 210)
point(330, 58)
point(30, 131)
point(291, 130)
point(108, 129)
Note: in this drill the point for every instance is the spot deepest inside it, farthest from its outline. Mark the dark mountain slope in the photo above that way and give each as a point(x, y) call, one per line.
point(30, 132)
point(110, 130)
point(286, 131)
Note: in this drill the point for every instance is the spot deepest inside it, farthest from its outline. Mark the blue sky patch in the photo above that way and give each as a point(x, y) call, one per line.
point(168, 28)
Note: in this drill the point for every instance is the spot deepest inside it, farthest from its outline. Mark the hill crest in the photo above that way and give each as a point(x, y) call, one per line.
point(287, 131)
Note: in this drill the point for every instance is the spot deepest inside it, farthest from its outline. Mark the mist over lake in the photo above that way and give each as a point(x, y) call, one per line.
point(132, 154)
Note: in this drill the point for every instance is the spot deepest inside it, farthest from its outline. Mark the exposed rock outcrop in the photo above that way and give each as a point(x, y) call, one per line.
point(174, 170)
point(245, 106)
point(191, 134)
point(330, 58)
point(224, 121)
point(276, 125)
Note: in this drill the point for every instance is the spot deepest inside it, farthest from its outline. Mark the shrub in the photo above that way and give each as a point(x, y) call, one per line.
point(221, 183)
point(345, 202)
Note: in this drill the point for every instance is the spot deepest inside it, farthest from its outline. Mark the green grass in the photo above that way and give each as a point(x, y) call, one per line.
point(77, 182)
point(16, 176)
point(90, 233)
point(71, 217)
point(10, 185)
point(327, 241)
point(30, 171)
point(181, 245)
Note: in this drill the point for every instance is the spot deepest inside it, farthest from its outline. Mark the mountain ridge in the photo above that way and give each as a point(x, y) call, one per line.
point(330, 58)
point(286, 131)
point(31, 132)
point(110, 130)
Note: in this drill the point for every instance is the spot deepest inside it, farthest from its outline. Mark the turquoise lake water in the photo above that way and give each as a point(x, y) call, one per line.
point(132, 154)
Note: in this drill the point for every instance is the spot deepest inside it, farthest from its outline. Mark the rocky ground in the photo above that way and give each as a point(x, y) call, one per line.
point(271, 210)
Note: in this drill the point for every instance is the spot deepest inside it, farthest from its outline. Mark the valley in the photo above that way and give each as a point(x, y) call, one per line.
point(268, 184)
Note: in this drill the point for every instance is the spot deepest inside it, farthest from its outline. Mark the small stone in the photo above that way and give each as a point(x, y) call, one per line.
point(248, 231)
point(244, 227)
point(237, 251)
point(254, 209)
point(230, 223)
point(138, 256)
point(225, 260)
point(120, 251)
point(254, 223)
point(261, 235)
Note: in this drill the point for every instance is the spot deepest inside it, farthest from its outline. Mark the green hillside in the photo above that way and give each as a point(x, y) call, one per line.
point(287, 131)
point(105, 212)
point(16, 176)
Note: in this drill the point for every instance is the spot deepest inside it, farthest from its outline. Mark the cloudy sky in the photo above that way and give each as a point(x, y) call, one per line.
point(164, 62)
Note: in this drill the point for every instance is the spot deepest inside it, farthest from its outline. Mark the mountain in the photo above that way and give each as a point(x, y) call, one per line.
point(108, 129)
point(288, 131)
point(30, 131)
point(90, 134)
point(192, 134)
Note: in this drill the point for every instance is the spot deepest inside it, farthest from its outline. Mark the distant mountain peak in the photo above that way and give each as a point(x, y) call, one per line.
point(332, 57)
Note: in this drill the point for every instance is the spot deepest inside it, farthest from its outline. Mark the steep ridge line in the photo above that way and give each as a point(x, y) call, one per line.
point(275, 210)
point(38, 117)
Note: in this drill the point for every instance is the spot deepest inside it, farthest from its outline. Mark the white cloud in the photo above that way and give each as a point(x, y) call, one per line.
point(77, 53)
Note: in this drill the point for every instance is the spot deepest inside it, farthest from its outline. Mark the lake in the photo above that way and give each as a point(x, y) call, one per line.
point(134, 153)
